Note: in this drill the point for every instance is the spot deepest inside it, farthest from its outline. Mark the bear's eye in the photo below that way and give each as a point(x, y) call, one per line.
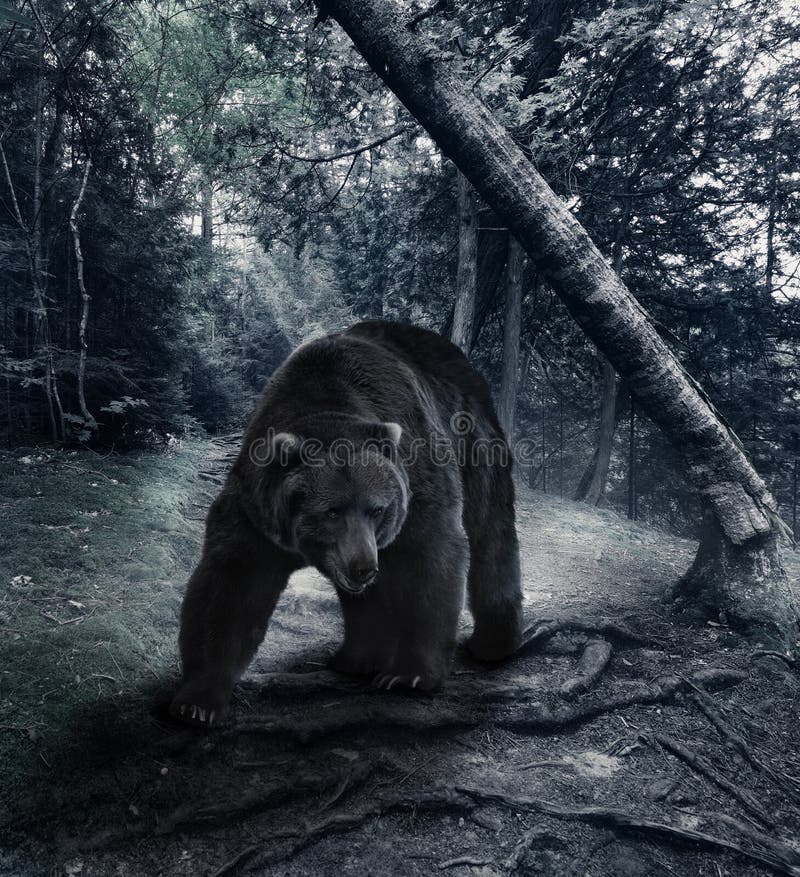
point(376, 511)
point(333, 514)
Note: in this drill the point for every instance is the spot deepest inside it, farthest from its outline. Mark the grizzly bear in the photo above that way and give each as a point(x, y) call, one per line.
point(374, 455)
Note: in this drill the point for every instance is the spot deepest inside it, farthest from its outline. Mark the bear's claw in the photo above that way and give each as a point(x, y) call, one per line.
point(199, 703)
point(191, 712)
point(388, 680)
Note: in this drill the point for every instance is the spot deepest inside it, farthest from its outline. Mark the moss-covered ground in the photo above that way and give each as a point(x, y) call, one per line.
point(93, 553)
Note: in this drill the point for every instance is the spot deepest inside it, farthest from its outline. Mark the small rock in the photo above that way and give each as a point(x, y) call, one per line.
point(487, 820)
point(660, 789)
point(681, 799)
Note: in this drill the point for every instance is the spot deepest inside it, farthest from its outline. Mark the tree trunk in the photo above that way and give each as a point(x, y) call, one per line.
point(512, 325)
point(492, 251)
point(89, 421)
point(547, 20)
point(42, 339)
point(771, 214)
point(632, 462)
point(467, 275)
point(592, 487)
point(744, 512)
point(207, 212)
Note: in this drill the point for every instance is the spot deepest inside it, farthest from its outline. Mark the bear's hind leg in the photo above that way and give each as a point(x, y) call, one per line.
point(495, 593)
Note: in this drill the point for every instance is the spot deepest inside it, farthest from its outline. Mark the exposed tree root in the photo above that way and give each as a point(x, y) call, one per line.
point(707, 706)
point(337, 823)
point(399, 713)
point(771, 653)
point(266, 797)
point(742, 583)
point(593, 662)
point(537, 633)
point(714, 678)
point(354, 715)
point(313, 682)
point(467, 861)
point(473, 688)
point(521, 848)
point(704, 767)
point(760, 848)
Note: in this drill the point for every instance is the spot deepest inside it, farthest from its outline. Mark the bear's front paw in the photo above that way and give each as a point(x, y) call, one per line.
point(199, 704)
point(353, 663)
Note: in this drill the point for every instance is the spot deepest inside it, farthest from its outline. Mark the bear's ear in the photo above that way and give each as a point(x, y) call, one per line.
point(386, 437)
point(285, 448)
point(393, 432)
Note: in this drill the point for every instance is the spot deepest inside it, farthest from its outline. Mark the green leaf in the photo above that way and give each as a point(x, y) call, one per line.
point(7, 13)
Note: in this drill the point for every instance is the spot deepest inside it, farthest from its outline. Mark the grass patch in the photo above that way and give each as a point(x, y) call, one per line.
point(94, 553)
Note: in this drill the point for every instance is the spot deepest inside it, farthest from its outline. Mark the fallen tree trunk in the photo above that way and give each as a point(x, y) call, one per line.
point(750, 587)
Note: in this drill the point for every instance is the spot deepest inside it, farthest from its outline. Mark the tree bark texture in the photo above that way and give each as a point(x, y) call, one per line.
point(593, 485)
point(745, 512)
point(547, 21)
point(492, 251)
point(467, 274)
point(38, 273)
point(207, 212)
point(89, 420)
point(512, 324)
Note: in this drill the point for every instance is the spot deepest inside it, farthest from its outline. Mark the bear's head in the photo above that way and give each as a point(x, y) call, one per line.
point(334, 491)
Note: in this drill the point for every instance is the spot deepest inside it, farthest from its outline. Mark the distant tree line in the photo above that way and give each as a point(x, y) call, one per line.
point(671, 131)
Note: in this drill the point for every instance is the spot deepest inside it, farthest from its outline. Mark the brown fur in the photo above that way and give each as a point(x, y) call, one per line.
point(434, 530)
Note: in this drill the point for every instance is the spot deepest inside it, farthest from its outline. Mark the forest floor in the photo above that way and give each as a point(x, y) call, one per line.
point(624, 742)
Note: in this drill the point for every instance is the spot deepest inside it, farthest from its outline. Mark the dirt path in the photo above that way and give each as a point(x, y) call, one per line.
point(663, 765)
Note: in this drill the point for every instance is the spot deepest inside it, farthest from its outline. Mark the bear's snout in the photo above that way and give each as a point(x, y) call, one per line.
point(362, 574)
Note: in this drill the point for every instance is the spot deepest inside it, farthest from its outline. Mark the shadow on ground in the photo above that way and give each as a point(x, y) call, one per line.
point(622, 742)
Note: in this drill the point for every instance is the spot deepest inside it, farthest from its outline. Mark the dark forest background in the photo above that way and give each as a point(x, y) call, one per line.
point(188, 191)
